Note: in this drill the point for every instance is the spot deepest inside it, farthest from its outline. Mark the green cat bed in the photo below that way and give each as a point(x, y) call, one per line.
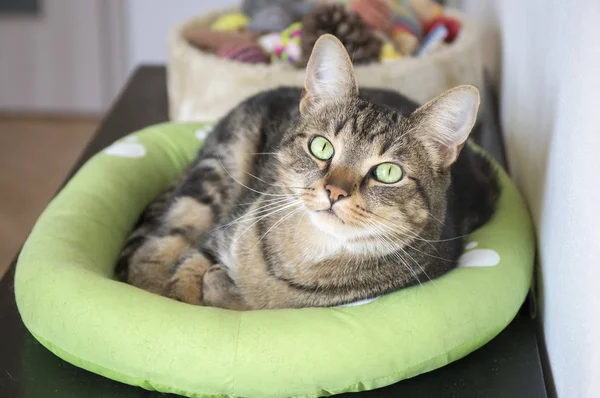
point(71, 303)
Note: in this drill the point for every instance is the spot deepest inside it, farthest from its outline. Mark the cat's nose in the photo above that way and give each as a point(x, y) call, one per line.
point(335, 193)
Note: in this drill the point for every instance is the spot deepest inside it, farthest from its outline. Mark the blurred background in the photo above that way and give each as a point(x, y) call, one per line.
point(63, 62)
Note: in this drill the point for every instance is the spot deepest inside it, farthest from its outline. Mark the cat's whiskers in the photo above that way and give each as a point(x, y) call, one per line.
point(298, 223)
point(247, 187)
point(410, 234)
point(387, 243)
point(294, 203)
point(415, 261)
point(261, 200)
point(420, 238)
point(434, 218)
point(417, 237)
point(264, 209)
point(282, 219)
point(402, 234)
point(258, 211)
point(400, 248)
point(407, 244)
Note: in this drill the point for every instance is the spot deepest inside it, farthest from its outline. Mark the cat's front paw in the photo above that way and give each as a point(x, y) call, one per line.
point(186, 283)
point(219, 290)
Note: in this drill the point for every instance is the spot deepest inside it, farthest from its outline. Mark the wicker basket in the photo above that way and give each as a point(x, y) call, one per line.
point(203, 87)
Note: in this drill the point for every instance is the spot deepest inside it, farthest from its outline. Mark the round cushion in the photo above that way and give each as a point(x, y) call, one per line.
point(70, 301)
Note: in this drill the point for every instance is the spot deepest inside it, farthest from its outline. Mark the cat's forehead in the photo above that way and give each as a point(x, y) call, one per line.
point(369, 127)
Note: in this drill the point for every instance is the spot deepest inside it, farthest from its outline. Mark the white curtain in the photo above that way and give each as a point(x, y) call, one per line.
point(545, 54)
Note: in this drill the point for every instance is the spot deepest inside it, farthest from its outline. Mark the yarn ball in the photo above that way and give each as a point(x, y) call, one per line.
point(426, 10)
point(405, 15)
point(404, 40)
point(212, 40)
point(375, 13)
point(270, 42)
point(388, 53)
point(292, 33)
point(230, 22)
point(451, 24)
point(247, 53)
point(290, 47)
point(407, 26)
point(360, 40)
point(433, 40)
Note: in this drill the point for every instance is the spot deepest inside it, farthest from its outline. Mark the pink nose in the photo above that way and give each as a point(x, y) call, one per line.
point(335, 193)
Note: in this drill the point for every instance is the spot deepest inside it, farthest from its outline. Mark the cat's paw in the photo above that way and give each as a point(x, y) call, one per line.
point(219, 290)
point(186, 283)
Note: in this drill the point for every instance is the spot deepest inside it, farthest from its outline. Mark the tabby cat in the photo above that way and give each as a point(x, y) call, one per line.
point(317, 197)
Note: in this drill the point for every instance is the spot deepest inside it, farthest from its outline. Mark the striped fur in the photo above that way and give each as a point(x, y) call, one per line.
point(250, 224)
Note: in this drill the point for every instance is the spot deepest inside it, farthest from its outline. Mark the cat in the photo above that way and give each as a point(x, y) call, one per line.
point(317, 197)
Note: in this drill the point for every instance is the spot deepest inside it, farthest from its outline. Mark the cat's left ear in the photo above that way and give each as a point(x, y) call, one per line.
point(444, 123)
point(329, 75)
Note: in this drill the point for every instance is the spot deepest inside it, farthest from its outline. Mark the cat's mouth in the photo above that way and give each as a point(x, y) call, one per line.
point(336, 223)
point(330, 214)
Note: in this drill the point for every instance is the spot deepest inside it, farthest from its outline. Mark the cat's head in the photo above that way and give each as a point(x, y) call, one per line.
point(362, 169)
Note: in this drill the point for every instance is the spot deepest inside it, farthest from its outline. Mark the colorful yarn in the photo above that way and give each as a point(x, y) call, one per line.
point(426, 10)
point(292, 33)
point(451, 24)
point(411, 26)
point(404, 40)
point(212, 40)
point(230, 22)
point(270, 42)
point(433, 41)
point(375, 13)
point(248, 53)
point(388, 53)
point(290, 49)
point(406, 27)
point(285, 46)
point(405, 15)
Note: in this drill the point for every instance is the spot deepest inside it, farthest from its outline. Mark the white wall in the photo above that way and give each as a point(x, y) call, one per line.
point(51, 63)
point(76, 56)
point(551, 118)
point(149, 23)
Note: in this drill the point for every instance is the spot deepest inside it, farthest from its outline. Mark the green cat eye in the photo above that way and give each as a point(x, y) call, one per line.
point(321, 148)
point(388, 173)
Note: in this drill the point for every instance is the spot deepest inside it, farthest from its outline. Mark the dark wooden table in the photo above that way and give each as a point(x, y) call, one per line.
point(508, 366)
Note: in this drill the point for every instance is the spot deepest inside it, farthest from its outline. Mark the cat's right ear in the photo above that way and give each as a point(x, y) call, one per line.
point(444, 123)
point(329, 75)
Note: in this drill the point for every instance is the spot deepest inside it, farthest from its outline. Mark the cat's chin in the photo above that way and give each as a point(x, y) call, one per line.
point(332, 224)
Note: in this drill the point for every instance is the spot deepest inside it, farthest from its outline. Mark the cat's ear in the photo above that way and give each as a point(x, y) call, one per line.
point(329, 74)
point(444, 123)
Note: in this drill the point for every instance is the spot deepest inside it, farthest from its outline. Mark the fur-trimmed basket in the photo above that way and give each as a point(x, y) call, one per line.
point(202, 87)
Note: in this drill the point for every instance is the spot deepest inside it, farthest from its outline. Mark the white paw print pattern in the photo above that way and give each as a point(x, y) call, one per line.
point(204, 131)
point(127, 148)
point(478, 257)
